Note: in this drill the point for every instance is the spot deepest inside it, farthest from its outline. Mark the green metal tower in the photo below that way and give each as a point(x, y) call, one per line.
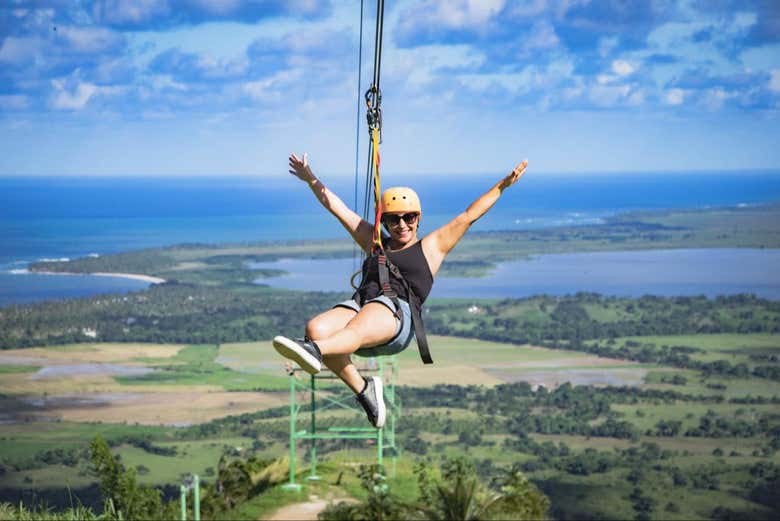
point(384, 437)
point(191, 483)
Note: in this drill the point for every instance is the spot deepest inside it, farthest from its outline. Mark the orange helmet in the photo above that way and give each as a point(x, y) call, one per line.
point(400, 199)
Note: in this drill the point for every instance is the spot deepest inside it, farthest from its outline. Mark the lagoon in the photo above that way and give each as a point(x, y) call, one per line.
point(22, 287)
point(684, 272)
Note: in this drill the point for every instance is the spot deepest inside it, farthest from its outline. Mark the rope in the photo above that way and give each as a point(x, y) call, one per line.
point(377, 189)
point(374, 117)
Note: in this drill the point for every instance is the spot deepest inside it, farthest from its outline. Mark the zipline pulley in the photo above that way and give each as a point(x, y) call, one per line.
point(374, 110)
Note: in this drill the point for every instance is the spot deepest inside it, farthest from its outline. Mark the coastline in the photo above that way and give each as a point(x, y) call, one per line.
point(133, 276)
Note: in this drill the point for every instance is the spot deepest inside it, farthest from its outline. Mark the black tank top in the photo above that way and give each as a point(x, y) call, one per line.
point(413, 266)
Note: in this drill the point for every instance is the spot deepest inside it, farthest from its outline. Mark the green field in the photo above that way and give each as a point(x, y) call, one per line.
point(735, 346)
point(14, 369)
point(455, 359)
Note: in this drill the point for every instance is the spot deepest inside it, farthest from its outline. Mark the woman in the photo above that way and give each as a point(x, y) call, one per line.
point(371, 324)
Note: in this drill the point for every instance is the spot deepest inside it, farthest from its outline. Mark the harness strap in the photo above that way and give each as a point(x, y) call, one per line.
point(384, 282)
point(385, 268)
point(415, 307)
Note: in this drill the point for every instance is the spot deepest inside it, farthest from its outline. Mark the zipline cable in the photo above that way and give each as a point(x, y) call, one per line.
point(357, 126)
point(373, 99)
point(374, 118)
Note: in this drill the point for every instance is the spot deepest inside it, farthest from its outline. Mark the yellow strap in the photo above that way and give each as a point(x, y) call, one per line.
point(377, 189)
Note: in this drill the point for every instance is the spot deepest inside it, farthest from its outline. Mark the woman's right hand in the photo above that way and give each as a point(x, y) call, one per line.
point(300, 168)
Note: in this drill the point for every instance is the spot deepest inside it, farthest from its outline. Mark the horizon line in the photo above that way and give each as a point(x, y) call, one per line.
point(698, 171)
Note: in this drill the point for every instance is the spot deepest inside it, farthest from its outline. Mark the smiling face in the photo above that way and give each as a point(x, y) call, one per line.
point(402, 227)
point(401, 212)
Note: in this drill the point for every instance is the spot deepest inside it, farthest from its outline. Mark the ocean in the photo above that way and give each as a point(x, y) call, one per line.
point(61, 217)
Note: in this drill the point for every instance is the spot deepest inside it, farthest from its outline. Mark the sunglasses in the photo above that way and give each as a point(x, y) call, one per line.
point(393, 219)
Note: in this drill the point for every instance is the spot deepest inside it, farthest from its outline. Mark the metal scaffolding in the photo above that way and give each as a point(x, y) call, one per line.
point(192, 482)
point(385, 437)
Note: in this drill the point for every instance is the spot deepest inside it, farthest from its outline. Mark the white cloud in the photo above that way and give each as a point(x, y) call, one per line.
point(623, 67)
point(517, 83)
point(607, 44)
point(527, 8)
point(674, 97)
point(564, 6)
point(620, 69)
point(608, 95)
point(774, 80)
point(121, 12)
point(465, 13)
point(218, 68)
point(715, 98)
point(89, 40)
point(636, 98)
point(450, 14)
point(560, 68)
point(74, 98)
point(165, 82)
point(542, 36)
point(743, 21)
point(272, 89)
point(575, 92)
point(20, 51)
point(530, 78)
point(420, 66)
point(603, 79)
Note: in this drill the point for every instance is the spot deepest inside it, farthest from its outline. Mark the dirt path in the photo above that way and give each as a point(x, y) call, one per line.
point(303, 511)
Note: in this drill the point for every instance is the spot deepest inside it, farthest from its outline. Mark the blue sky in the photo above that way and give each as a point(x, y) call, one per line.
point(225, 87)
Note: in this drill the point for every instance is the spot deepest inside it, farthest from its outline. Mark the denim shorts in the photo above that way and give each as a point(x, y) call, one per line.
point(404, 329)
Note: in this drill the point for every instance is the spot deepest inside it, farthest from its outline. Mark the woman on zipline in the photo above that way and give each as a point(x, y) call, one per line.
point(370, 324)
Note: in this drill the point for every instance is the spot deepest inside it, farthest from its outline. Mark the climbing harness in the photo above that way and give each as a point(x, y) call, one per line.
point(385, 268)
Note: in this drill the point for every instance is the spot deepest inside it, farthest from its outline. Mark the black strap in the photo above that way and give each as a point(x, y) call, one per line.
point(385, 269)
point(385, 287)
point(419, 329)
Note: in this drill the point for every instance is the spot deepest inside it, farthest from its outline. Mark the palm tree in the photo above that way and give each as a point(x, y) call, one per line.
point(461, 496)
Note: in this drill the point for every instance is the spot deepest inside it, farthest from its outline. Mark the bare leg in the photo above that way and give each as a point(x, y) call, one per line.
point(326, 324)
point(374, 325)
point(343, 367)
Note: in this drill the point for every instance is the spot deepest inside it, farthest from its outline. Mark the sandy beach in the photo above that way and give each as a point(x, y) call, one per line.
point(133, 276)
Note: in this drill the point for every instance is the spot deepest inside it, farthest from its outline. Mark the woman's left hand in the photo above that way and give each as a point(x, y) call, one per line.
point(514, 175)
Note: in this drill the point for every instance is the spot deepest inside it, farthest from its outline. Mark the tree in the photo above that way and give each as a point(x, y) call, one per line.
point(520, 499)
point(457, 495)
point(119, 487)
point(380, 505)
point(460, 495)
point(643, 504)
point(240, 479)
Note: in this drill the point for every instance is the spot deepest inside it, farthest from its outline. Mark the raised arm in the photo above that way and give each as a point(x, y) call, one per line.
point(358, 228)
point(438, 244)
